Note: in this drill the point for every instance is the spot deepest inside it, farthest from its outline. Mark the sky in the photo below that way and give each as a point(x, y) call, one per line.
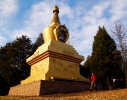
point(81, 17)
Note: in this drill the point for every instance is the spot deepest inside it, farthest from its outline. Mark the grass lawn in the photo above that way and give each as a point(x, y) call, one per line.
point(120, 94)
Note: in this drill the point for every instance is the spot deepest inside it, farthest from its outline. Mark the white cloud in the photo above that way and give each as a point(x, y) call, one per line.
point(2, 40)
point(89, 22)
point(96, 13)
point(40, 16)
point(94, 17)
point(7, 9)
point(98, 10)
point(118, 9)
point(82, 21)
point(82, 26)
point(65, 10)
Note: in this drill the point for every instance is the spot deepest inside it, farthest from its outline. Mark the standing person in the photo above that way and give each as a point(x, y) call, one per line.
point(93, 82)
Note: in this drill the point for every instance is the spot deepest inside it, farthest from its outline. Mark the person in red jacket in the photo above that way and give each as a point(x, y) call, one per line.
point(93, 82)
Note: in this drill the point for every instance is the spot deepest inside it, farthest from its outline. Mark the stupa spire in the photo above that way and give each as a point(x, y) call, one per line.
point(55, 20)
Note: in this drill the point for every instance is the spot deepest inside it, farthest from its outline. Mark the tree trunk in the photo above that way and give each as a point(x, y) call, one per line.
point(109, 83)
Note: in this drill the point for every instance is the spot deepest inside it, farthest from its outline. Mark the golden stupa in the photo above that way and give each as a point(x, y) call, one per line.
point(55, 59)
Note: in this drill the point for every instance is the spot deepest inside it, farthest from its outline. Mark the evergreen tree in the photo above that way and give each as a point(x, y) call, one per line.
point(22, 48)
point(38, 42)
point(4, 87)
point(86, 68)
point(13, 60)
point(105, 61)
point(5, 61)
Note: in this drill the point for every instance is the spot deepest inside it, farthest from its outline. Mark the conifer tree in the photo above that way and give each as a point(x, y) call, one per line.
point(22, 48)
point(39, 41)
point(86, 68)
point(105, 60)
point(13, 60)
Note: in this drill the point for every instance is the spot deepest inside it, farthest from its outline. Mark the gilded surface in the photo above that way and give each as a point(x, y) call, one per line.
point(67, 52)
point(55, 20)
point(35, 54)
point(55, 29)
point(40, 67)
point(68, 67)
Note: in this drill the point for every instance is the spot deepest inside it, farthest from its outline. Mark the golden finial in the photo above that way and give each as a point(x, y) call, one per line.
point(56, 9)
point(55, 20)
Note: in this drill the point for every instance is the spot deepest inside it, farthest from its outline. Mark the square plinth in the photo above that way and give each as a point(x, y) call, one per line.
point(43, 87)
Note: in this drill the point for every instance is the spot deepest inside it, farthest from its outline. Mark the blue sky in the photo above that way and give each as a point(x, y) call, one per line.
point(81, 17)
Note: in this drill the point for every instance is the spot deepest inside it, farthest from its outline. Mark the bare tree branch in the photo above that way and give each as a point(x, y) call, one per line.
point(120, 37)
point(70, 40)
point(119, 33)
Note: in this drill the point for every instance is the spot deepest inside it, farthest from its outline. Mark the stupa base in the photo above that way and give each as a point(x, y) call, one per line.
point(43, 87)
